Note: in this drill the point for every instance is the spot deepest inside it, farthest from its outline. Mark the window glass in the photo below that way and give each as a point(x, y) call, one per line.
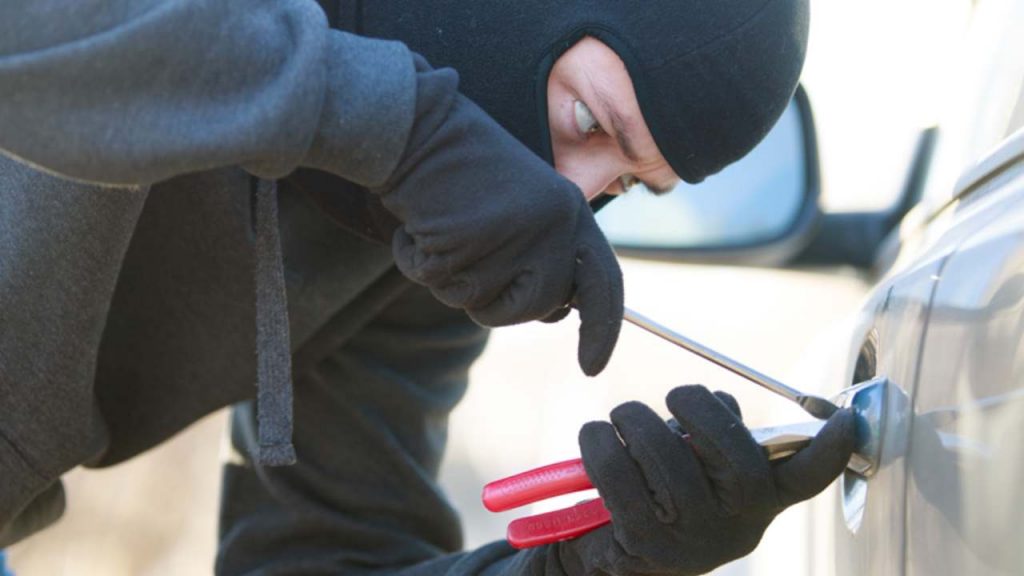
point(981, 95)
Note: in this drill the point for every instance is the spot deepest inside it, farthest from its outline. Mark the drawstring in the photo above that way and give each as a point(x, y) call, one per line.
point(273, 348)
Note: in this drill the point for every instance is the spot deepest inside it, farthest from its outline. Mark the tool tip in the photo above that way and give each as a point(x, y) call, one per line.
point(818, 407)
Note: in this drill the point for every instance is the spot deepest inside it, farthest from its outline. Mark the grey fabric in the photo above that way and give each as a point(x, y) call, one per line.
point(273, 350)
point(180, 336)
point(61, 248)
point(354, 140)
point(177, 333)
point(179, 342)
point(371, 425)
point(130, 91)
point(136, 92)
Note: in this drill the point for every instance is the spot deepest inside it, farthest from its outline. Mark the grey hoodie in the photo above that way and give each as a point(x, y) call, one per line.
point(130, 135)
point(132, 92)
point(125, 94)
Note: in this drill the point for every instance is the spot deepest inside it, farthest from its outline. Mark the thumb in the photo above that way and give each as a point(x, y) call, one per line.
point(812, 469)
point(599, 299)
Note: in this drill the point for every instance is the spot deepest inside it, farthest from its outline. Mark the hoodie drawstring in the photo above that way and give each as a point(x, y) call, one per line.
point(273, 347)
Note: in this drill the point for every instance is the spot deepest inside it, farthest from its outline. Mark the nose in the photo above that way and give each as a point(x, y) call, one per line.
point(615, 187)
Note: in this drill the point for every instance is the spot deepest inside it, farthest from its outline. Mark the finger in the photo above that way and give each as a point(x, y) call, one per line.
point(505, 296)
point(494, 293)
point(734, 462)
point(812, 469)
point(726, 399)
point(730, 403)
point(520, 300)
point(599, 298)
point(558, 315)
point(416, 265)
point(489, 290)
point(616, 476)
point(674, 476)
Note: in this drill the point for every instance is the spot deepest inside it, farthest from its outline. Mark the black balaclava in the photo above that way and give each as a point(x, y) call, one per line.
point(711, 76)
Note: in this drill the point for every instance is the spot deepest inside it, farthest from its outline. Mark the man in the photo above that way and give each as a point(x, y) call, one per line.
point(180, 104)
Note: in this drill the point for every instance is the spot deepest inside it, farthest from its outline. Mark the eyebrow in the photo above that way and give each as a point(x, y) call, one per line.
point(625, 142)
point(618, 123)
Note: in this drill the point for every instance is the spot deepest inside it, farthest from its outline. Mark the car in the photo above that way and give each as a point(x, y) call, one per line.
point(943, 322)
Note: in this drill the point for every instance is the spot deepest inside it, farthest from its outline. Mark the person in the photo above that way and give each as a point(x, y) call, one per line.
point(187, 182)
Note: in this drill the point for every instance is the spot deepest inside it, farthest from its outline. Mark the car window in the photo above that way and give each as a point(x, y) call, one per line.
point(981, 96)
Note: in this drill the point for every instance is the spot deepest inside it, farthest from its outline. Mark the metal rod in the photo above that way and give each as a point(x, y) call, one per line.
point(815, 406)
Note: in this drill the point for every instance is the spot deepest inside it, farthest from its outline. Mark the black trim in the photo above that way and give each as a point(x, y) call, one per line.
point(601, 201)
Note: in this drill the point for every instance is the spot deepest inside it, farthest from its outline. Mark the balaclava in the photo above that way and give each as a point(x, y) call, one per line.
point(711, 76)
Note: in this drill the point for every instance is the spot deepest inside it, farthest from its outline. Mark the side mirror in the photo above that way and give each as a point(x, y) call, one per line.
point(857, 238)
point(761, 210)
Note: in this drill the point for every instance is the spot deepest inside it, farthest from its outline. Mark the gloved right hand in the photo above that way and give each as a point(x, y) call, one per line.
point(491, 228)
point(682, 507)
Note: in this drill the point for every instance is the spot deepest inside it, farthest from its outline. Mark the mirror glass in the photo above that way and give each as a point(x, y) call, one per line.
point(753, 201)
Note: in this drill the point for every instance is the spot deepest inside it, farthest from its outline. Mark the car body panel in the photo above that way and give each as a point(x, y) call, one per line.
point(946, 326)
point(966, 459)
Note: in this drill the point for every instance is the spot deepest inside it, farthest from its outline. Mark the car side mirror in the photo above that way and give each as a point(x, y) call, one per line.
point(761, 210)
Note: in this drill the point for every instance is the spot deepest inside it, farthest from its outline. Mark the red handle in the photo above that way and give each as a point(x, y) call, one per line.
point(559, 525)
point(541, 483)
point(537, 484)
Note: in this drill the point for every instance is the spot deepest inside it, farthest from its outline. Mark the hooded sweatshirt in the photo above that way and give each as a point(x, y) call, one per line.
point(131, 134)
point(115, 96)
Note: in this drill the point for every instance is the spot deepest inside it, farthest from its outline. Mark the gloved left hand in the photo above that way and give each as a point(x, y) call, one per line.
point(683, 507)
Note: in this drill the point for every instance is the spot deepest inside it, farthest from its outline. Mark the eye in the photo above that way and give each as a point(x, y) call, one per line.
point(585, 121)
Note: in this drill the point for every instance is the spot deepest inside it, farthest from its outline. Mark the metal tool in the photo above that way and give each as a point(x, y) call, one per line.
point(570, 476)
point(813, 405)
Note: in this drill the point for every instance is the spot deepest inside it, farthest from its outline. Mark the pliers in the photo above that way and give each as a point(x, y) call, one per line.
point(570, 476)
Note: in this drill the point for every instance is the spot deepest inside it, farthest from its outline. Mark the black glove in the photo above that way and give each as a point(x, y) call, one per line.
point(491, 228)
point(684, 507)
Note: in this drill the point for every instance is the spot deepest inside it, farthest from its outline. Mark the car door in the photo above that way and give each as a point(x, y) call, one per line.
point(867, 517)
point(946, 328)
point(964, 507)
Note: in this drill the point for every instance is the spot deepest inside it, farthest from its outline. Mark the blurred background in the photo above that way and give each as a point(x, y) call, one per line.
point(877, 71)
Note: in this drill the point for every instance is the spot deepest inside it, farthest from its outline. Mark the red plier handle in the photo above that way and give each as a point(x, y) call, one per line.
point(541, 483)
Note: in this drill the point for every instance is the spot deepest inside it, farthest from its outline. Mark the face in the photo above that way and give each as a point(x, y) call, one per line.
point(599, 138)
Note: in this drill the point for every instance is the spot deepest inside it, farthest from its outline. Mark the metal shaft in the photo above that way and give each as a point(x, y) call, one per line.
point(815, 406)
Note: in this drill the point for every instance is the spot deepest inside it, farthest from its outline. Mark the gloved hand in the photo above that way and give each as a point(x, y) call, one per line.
point(491, 228)
point(683, 507)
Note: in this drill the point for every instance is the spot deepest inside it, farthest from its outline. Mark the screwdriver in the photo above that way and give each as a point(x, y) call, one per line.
point(813, 405)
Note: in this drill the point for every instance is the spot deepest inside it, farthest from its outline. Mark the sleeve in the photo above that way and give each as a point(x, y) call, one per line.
point(61, 248)
point(371, 426)
point(135, 91)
